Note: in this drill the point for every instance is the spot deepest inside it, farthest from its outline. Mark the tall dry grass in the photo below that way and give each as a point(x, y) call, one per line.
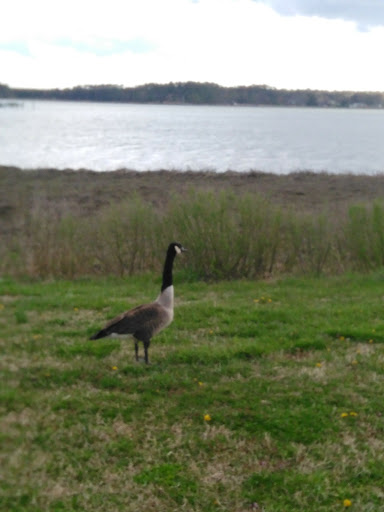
point(364, 237)
point(229, 236)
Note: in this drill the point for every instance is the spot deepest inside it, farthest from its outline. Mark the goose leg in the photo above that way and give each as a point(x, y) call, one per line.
point(146, 346)
point(136, 350)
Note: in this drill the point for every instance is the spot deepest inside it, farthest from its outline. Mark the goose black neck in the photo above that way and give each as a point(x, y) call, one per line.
point(168, 268)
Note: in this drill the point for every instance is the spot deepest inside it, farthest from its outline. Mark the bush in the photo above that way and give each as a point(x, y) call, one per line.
point(364, 236)
point(231, 237)
point(309, 241)
point(228, 237)
point(123, 237)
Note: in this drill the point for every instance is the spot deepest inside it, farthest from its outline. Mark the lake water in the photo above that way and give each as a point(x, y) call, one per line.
point(106, 137)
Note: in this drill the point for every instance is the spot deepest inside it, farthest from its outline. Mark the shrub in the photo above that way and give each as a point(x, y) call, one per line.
point(364, 236)
point(228, 237)
point(122, 237)
point(231, 236)
point(310, 243)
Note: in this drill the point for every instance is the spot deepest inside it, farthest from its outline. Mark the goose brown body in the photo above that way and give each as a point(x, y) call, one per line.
point(145, 321)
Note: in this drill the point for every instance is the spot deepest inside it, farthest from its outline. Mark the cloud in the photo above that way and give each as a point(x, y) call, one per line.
point(230, 42)
point(16, 46)
point(101, 46)
point(115, 19)
point(365, 13)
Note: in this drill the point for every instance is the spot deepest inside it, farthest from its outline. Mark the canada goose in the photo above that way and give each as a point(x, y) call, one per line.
point(147, 320)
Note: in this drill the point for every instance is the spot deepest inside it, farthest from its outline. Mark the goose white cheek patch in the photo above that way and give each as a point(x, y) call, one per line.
point(177, 249)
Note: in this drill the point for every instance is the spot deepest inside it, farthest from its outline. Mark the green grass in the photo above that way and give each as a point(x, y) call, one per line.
point(290, 372)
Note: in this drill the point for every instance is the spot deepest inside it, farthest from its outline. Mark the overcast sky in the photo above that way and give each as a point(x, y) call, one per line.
point(293, 44)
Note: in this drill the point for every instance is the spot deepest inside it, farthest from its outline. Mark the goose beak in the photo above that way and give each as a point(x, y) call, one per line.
point(183, 249)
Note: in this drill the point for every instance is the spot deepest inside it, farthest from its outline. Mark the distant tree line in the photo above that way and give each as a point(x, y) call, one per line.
point(196, 93)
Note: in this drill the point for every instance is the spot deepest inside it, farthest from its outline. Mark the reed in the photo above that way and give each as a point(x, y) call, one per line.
point(230, 236)
point(120, 238)
point(364, 236)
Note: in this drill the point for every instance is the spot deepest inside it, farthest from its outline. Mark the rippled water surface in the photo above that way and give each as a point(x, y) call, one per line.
point(149, 137)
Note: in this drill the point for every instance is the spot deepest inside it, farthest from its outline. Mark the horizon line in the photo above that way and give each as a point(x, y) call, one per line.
point(266, 86)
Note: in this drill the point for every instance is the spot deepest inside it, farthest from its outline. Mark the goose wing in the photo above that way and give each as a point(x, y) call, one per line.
point(143, 322)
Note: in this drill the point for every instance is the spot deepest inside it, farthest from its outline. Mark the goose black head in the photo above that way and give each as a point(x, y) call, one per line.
point(175, 248)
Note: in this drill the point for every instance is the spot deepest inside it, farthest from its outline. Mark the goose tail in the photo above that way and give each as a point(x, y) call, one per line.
point(101, 334)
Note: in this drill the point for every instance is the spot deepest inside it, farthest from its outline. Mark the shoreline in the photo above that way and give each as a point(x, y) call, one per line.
point(84, 191)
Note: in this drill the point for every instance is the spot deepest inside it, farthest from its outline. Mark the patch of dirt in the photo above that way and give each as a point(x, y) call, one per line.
point(83, 192)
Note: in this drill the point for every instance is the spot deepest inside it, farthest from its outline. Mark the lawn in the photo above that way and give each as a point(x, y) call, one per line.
point(262, 395)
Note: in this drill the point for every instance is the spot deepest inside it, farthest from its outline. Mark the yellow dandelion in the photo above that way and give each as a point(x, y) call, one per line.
point(344, 414)
point(319, 365)
point(370, 341)
point(256, 300)
point(210, 331)
point(353, 413)
point(207, 417)
point(354, 362)
point(2, 306)
point(75, 309)
point(201, 383)
point(269, 300)
point(114, 368)
point(347, 503)
point(342, 338)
